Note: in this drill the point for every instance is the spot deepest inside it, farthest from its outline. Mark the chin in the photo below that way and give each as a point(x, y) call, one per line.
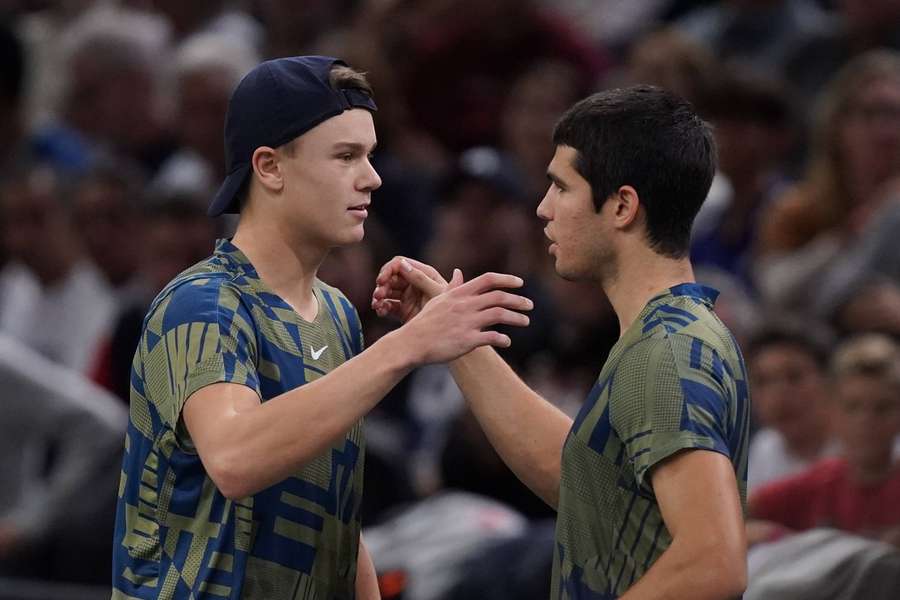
point(350, 237)
point(567, 272)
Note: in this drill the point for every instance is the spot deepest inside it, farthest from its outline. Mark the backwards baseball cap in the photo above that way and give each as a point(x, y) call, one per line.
point(274, 103)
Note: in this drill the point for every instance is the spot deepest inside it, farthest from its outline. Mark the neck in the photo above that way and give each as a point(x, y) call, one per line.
point(629, 294)
point(289, 268)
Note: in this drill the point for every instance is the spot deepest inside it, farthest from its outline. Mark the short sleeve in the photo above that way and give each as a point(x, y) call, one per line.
point(200, 334)
point(658, 409)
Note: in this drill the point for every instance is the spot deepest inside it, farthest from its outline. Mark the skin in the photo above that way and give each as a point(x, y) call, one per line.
point(302, 203)
point(790, 395)
point(696, 490)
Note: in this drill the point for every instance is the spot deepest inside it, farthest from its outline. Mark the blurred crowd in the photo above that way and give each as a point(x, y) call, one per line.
point(111, 117)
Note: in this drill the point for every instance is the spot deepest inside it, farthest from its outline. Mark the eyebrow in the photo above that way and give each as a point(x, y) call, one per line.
point(355, 146)
point(555, 178)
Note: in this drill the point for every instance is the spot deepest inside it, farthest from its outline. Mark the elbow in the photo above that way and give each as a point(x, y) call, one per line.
point(729, 569)
point(230, 478)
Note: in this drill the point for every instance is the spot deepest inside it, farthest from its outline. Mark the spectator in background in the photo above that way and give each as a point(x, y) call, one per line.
point(752, 122)
point(791, 401)
point(759, 33)
point(860, 26)
point(106, 209)
point(207, 68)
point(113, 99)
point(461, 56)
point(60, 454)
point(535, 102)
point(176, 234)
point(221, 17)
point(670, 59)
point(52, 296)
point(849, 190)
point(858, 492)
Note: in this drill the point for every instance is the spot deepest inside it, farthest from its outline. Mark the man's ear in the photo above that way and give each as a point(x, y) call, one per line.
point(267, 166)
point(626, 204)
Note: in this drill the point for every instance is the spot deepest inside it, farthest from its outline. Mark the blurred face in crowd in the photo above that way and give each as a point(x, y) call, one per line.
point(747, 148)
point(789, 392)
point(116, 104)
point(36, 229)
point(172, 243)
point(470, 230)
point(870, 134)
point(203, 104)
point(580, 236)
point(326, 180)
point(106, 220)
point(535, 102)
point(868, 419)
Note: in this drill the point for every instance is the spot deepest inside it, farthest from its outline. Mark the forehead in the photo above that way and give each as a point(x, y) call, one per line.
point(564, 160)
point(354, 126)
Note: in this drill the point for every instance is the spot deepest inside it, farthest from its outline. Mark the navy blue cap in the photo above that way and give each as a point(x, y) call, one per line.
point(274, 103)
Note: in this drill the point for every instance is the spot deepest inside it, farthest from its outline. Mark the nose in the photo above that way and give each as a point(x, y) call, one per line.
point(370, 179)
point(543, 209)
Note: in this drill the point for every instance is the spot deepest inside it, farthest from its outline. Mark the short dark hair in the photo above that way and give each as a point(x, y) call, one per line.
point(652, 140)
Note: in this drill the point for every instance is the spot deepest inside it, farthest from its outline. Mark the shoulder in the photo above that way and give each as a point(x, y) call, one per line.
point(203, 293)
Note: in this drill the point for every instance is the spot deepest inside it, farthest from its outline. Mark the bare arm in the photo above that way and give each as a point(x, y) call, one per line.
point(247, 445)
point(366, 578)
point(527, 431)
point(707, 560)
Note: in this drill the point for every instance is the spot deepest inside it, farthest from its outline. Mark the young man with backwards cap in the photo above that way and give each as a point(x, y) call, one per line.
point(242, 476)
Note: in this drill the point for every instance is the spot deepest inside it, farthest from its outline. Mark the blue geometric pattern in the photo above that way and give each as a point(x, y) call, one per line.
point(176, 535)
point(670, 384)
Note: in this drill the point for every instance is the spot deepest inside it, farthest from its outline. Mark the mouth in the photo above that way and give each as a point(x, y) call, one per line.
point(553, 245)
point(360, 210)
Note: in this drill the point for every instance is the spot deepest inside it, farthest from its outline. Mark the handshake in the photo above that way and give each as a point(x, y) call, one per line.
point(442, 319)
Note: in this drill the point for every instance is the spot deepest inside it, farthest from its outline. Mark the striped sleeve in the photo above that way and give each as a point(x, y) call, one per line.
point(200, 334)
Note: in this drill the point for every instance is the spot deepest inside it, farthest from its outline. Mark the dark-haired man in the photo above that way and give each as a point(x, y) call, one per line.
point(649, 481)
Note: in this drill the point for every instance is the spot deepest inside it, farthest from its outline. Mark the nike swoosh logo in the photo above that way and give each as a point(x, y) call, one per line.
point(317, 353)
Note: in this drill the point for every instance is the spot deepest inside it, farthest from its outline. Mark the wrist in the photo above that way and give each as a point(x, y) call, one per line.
point(400, 350)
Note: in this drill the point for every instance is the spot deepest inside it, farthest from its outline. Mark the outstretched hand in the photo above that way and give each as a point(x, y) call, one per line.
point(445, 319)
point(405, 285)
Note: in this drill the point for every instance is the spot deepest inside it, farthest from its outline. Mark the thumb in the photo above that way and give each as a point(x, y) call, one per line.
point(420, 280)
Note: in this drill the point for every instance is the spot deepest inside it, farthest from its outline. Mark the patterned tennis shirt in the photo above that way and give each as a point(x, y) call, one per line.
point(176, 535)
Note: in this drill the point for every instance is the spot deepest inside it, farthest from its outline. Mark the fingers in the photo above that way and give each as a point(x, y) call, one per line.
point(489, 281)
point(504, 299)
point(395, 267)
point(420, 280)
point(501, 316)
point(492, 338)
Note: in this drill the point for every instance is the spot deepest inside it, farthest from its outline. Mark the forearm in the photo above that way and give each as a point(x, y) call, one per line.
point(700, 571)
point(366, 578)
point(264, 443)
point(527, 431)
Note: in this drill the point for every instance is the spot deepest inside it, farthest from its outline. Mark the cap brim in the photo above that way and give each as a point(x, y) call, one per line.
point(226, 199)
